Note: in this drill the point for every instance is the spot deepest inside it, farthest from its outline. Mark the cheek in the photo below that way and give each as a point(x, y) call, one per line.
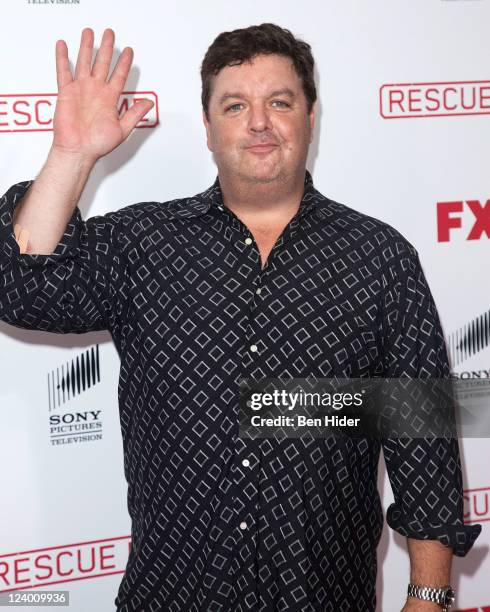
point(225, 138)
point(293, 134)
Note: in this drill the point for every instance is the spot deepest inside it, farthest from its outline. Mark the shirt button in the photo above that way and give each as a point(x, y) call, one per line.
point(253, 348)
point(246, 462)
point(243, 525)
point(248, 240)
point(258, 290)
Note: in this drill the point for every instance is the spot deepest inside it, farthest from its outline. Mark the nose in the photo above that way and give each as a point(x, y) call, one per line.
point(259, 118)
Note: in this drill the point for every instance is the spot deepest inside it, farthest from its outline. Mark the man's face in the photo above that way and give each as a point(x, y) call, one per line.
point(259, 128)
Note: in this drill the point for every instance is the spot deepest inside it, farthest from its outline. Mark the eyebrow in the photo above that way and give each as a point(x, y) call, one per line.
point(285, 91)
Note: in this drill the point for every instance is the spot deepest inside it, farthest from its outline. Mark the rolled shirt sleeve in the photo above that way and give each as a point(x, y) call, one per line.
point(81, 286)
point(424, 473)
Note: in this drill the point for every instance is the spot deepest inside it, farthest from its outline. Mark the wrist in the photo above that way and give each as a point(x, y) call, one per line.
point(70, 160)
point(413, 604)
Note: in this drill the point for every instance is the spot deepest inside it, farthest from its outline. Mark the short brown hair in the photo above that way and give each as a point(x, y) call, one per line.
point(235, 47)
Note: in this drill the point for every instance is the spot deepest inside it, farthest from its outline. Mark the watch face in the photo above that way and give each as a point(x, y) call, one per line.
point(449, 596)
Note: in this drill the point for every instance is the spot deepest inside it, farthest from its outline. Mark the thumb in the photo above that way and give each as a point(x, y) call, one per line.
point(134, 114)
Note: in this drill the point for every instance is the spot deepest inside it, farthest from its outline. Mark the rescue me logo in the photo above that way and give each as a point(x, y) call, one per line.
point(442, 99)
point(33, 112)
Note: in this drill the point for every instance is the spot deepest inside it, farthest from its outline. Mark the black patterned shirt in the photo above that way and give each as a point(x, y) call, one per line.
point(221, 523)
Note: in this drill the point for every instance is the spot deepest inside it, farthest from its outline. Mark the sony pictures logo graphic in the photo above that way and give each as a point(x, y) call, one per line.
point(473, 391)
point(470, 339)
point(67, 382)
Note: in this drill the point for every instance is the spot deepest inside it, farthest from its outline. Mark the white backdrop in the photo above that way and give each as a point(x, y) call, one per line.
point(63, 506)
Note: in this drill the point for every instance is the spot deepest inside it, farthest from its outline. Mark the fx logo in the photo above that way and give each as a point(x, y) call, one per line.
point(449, 217)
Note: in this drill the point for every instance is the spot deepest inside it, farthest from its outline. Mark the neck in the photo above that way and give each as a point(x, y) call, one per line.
point(269, 199)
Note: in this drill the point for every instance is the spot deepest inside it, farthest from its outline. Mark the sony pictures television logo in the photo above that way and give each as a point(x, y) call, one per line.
point(66, 383)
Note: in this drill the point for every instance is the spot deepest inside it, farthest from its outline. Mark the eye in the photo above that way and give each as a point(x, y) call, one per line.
point(233, 106)
point(281, 102)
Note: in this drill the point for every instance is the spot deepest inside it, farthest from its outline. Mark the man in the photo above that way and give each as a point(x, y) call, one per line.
point(258, 276)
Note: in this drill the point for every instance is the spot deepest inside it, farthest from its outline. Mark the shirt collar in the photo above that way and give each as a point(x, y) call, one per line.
point(202, 203)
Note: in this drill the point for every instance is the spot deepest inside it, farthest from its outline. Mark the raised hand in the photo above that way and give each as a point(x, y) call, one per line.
point(86, 120)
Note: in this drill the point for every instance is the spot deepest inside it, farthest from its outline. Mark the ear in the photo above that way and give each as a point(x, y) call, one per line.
point(311, 117)
point(208, 130)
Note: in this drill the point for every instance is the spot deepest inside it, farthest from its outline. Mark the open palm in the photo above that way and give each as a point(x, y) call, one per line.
point(86, 120)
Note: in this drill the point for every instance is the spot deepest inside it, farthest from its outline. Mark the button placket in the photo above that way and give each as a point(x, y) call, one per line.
point(245, 503)
point(246, 470)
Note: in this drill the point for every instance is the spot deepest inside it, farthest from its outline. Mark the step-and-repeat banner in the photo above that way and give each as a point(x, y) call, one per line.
point(402, 134)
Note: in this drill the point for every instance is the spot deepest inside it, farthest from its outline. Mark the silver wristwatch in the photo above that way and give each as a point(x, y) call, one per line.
point(444, 596)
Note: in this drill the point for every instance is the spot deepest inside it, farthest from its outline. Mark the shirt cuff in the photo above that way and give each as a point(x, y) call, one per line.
point(67, 247)
point(460, 537)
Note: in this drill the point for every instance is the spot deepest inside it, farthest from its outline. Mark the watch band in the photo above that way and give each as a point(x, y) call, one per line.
point(444, 596)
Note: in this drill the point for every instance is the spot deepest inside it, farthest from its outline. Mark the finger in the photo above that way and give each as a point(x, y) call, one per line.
point(63, 72)
point(134, 114)
point(84, 59)
point(104, 55)
point(121, 70)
